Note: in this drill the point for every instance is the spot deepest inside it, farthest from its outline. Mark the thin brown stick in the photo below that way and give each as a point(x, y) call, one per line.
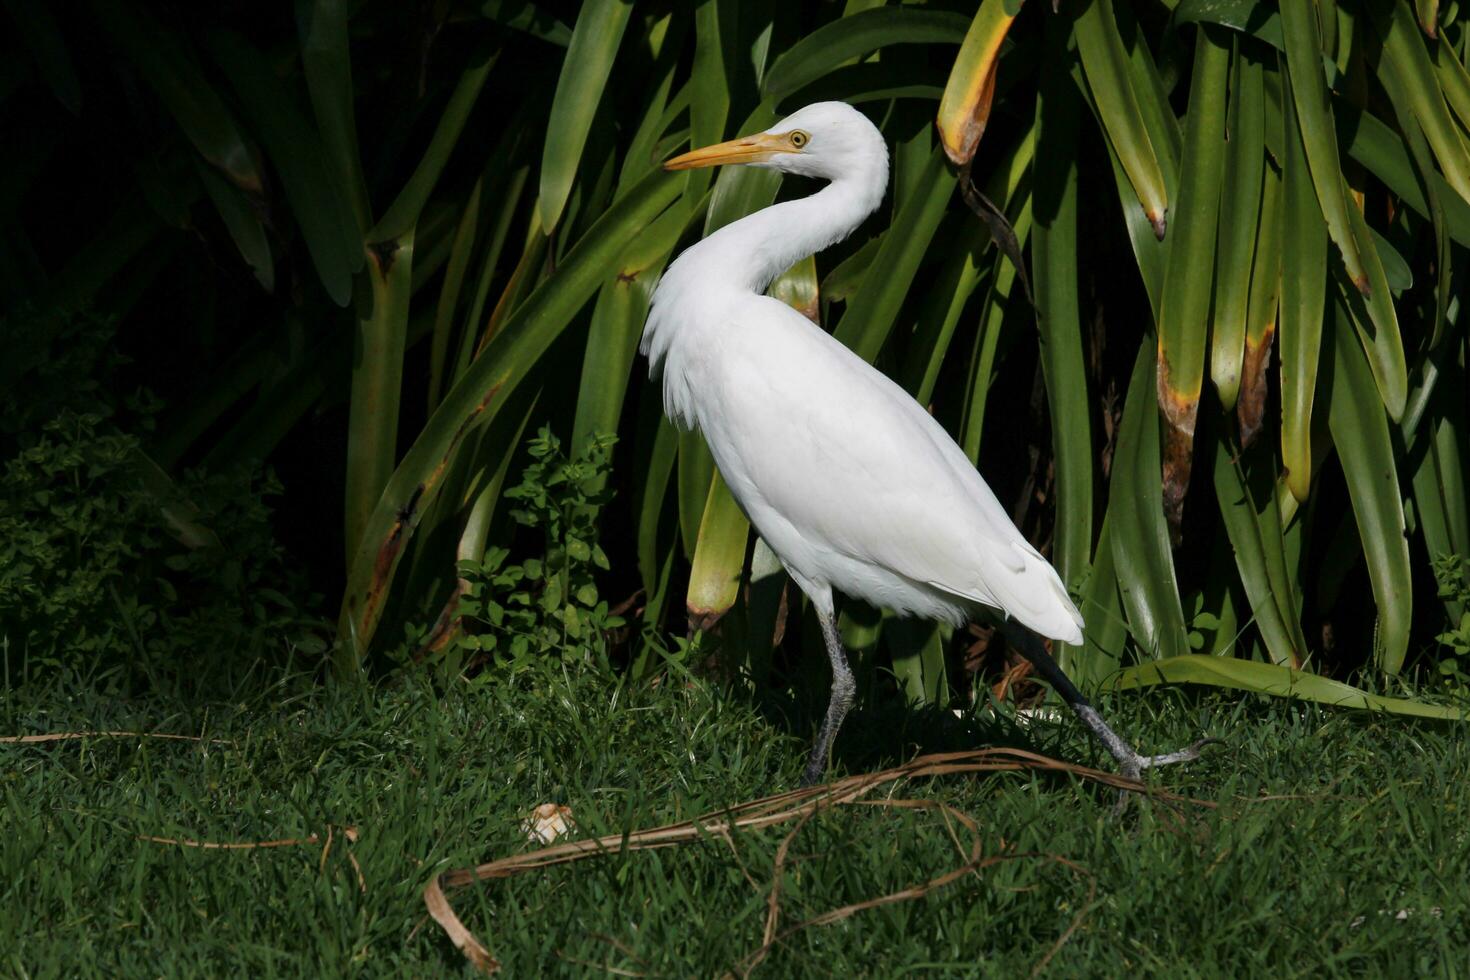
point(798, 804)
point(232, 845)
point(64, 736)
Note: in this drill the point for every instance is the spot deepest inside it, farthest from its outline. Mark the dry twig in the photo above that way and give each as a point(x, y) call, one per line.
point(799, 805)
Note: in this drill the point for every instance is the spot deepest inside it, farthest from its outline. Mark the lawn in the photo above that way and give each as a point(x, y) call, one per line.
point(1337, 843)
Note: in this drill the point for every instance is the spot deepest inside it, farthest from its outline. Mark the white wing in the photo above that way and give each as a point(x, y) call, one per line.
point(803, 426)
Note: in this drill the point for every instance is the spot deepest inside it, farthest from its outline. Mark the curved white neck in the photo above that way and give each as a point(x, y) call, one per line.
point(753, 251)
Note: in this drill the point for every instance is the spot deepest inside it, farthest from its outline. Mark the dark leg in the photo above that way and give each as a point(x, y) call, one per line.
point(1130, 763)
point(843, 687)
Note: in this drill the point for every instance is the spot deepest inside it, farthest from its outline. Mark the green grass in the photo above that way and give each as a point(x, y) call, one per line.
point(1329, 824)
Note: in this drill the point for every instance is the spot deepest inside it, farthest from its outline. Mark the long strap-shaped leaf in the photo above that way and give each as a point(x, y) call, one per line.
point(1308, 90)
point(1105, 63)
point(1059, 321)
point(377, 381)
point(1303, 305)
point(404, 212)
point(874, 310)
point(1404, 53)
point(1140, 535)
point(579, 88)
point(1184, 307)
point(1253, 525)
point(832, 45)
point(316, 200)
point(1275, 680)
point(964, 109)
point(326, 58)
point(1360, 433)
point(1240, 209)
point(1263, 306)
point(472, 401)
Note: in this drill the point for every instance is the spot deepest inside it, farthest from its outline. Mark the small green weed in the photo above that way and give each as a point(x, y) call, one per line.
point(546, 603)
point(107, 562)
point(1454, 587)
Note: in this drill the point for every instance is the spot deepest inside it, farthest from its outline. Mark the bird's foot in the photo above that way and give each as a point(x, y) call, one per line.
point(1131, 765)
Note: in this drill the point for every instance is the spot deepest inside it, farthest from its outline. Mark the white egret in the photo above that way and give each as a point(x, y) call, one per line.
point(850, 481)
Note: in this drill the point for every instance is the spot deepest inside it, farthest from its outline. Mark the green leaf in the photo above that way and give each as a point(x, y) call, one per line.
point(1303, 306)
point(474, 400)
point(1273, 680)
point(1184, 305)
point(1240, 214)
point(327, 59)
point(291, 142)
point(1054, 254)
point(377, 375)
point(579, 87)
point(1360, 433)
point(243, 224)
point(871, 314)
point(176, 79)
point(1105, 64)
point(406, 208)
point(833, 44)
point(1140, 534)
point(1308, 91)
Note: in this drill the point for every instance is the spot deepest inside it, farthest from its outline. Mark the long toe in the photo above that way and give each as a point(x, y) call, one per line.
point(1187, 754)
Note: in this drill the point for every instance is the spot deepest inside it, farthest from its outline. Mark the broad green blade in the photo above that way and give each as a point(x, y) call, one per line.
point(1253, 525)
point(1140, 534)
point(519, 344)
point(1377, 147)
point(1313, 114)
point(316, 199)
point(1105, 63)
point(873, 311)
point(964, 109)
point(1184, 307)
point(1360, 433)
point(445, 311)
point(719, 558)
point(327, 59)
point(1377, 324)
point(617, 322)
point(1303, 306)
point(579, 87)
point(532, 18)
point(404, 213)
point(176, 79)
point(1054, 258)
point(709, 83)
point(1240, 212)
point(1274, 680)
point(797, 287)
point(377, 376)
point(833, 44)
point(999, 315)
point(917, 648)
point(1263, 307)
point(1405, 56)
point(1441, 503)
point(242, 222)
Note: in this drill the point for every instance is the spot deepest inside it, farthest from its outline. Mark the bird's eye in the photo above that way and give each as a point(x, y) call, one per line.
point(799, 139)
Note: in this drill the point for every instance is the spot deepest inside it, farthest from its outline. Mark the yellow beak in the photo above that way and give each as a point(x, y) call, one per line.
point(747, 149)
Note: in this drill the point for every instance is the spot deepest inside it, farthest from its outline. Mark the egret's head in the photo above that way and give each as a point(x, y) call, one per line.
point(828, 140)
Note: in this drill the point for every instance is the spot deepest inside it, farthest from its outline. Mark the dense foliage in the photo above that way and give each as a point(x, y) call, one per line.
point(1216, 364)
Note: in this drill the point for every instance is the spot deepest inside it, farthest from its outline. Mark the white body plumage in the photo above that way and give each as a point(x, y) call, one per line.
point(851, 482)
